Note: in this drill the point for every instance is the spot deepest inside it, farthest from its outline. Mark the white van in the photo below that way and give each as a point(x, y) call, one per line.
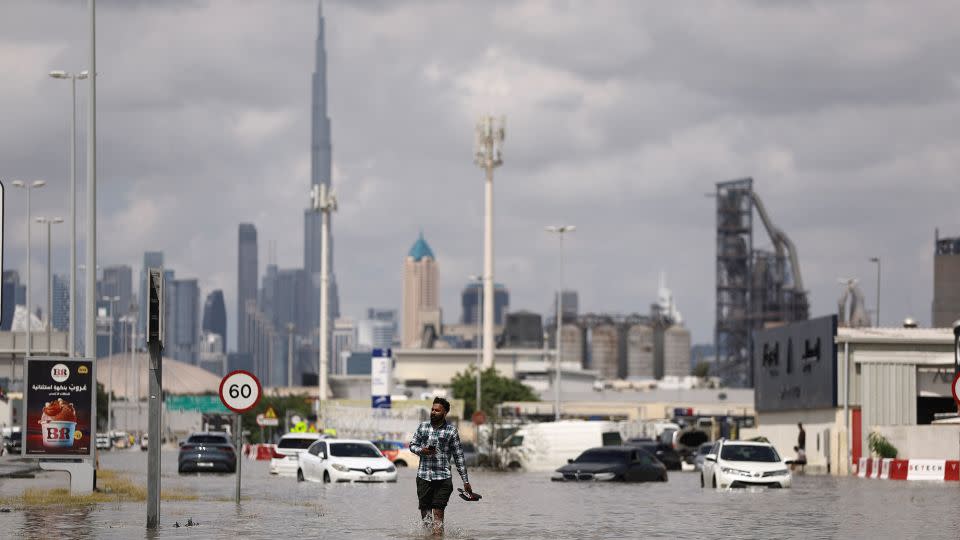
point(548, 445)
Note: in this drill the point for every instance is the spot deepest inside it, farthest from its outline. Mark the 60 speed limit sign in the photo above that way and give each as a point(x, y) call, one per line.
point(240, 391)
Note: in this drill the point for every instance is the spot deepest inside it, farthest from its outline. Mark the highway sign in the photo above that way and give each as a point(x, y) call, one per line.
point(956, 389)
point(201, 404)
point(240, 391)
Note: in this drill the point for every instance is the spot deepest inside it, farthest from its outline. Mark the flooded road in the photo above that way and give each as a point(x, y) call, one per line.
point(514, 506)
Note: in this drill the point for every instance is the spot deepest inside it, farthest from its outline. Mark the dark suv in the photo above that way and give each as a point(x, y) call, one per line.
point(664, 453)
point(207, 451)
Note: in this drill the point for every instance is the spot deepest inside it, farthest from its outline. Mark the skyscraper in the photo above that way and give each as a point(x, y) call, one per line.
point(420, 292)
point(61, 302)
point(320, 173)
point(246, 280)
point(13, 294)
point(117, 282)
point(182, 341)
point(215, 318)
point(946, 281)
point(471, 299)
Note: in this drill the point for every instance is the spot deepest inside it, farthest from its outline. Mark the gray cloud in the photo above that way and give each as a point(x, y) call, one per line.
point(620, 116)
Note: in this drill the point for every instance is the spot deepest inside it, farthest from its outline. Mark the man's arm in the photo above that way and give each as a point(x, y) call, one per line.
point(416, 444)
point(458, 458)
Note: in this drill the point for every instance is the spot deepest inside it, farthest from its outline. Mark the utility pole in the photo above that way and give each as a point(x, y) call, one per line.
point(324, 201)
point(559, 230)
point(112, 301)
point(478, 280)
point(290, 328)
point(488, 148)
point(49, 222)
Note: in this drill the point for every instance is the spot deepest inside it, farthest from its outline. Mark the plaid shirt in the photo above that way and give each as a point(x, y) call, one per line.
point(446, 440)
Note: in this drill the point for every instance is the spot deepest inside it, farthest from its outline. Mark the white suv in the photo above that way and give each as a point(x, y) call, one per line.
point(735, 464)
point(285, 458)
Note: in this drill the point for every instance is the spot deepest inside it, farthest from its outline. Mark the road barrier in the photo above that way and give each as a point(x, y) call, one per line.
point(936, 470)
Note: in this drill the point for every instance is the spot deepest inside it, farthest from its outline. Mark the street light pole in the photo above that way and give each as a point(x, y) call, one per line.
point(877, 260)
point(73, 204)
point(29, 186)
point(324, 201)
point(488, 155)
point(49, 222)
point(90, 331)
point(112, 301)
point(478, 280)
point(560, 230)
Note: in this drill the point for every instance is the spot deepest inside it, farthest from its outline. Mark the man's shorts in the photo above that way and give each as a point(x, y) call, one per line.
point(434, 493)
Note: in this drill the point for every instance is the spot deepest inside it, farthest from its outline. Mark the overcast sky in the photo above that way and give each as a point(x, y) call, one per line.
point(620, 117)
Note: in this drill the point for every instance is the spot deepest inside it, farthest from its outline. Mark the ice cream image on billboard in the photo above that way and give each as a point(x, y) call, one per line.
point(59, 423)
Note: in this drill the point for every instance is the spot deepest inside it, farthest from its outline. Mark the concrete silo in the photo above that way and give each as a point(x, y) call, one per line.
point(604, 350)
point(640, 351)
point(676, 352)
point(572, 336)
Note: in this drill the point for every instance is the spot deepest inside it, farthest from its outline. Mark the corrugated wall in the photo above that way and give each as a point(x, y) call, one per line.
point(889, 396)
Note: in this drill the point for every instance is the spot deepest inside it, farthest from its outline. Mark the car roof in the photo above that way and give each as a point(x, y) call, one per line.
point(748, 443)
point(334, 441)
point(301, 436)
point(221, 433)
point(622, 449)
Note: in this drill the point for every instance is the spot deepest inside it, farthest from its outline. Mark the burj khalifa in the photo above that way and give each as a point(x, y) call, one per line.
point(320, 173)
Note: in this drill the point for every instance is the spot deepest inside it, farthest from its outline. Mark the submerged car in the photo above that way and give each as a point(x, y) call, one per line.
point(743, 464)
point(207, 451)
point(612, 464)
point(342, 460)
point(664, 453)
point(286, 456)
point(702, 452)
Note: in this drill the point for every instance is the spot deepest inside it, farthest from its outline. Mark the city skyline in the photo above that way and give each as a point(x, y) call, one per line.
point(646, 123)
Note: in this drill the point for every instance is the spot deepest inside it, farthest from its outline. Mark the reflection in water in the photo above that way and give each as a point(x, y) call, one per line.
point(514, 506)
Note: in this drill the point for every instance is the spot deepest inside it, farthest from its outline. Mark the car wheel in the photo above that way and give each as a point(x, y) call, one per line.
point(514, 466)
point(326, 477)
point(300, 477)
point(180, 470)
point(702, 483)
point(714, 482)
point(400, 463)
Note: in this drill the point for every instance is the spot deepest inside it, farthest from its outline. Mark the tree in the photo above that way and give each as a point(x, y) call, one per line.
point(702, 370)
point(495, 389)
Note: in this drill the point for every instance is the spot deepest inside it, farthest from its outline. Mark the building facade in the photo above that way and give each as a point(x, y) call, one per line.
point(946, 282)
point(471, 303)
point(215, 317)
point(246, 280)
point(184, 338)
point(421, 293)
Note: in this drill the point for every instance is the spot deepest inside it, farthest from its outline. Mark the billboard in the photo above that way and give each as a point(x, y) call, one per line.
point(795, 366)
point(59, 407)
point(381, 377)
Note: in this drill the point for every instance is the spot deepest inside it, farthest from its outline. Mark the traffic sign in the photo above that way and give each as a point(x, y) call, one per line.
point(956, 389)
point(270, 413)
point(240, 391)
point(265, 421)
point(479, 418)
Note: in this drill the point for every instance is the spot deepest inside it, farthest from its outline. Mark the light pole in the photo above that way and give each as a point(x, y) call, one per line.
point(290, 327)
point(560, 230)
point(29, 186)
point(73, 203)
point(91, 241)
point(877, 260)
point(49, 222)
point(479, 281)
point(324, 201)
point(112, 300)
point(488, 155)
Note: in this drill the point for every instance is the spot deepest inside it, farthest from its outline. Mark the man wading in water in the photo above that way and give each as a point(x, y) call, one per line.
point(436, 442)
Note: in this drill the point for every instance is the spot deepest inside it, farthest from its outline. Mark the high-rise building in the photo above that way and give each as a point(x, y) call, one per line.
point(246, 280)
point(344, 342)
point(212, 357)
point(13, 294)
point(471, 302)
point(420, 292)
point(375, 334)
point(571, 305)
point(285, 298)
point(61, 302)
point(386, 315)
point(116, 282)
point(184, 335)
point(215, 317)
point(320, 173)
point(946, 281)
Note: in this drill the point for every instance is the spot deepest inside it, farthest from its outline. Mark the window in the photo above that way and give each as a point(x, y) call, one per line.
point(358, 450)
point(316, 449)
point(602, 456)
point(611, 438)
point(208, 439)
point(295, 443)
point(743, 452)
point(514, 440)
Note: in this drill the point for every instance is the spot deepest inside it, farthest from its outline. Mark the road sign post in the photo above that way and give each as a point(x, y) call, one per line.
point(155, 311)
point(240, 391)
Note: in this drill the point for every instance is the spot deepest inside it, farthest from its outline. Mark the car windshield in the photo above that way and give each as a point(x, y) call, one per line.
point(208, 439)
point(295, 443)
point(354, 450)
point(743, 452)
point(602, 456)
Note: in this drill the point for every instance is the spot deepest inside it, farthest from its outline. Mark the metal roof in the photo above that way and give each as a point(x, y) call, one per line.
point(896, 335)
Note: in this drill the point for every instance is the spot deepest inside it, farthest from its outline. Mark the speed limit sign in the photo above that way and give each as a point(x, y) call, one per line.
point(240, 391)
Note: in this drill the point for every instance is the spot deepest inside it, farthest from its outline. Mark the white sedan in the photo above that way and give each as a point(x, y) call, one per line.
point(286, 456)
point(343, 460)
point(741, 464)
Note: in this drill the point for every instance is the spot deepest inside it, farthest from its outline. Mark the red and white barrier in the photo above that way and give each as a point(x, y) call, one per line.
point(937, 470)
point(260, 452)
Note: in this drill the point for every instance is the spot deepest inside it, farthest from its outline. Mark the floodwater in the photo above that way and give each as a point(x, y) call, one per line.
point(514, 505)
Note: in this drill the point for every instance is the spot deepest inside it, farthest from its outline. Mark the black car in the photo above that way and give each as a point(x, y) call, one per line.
point(207, 451)
point(663, 452)
point(613, 463)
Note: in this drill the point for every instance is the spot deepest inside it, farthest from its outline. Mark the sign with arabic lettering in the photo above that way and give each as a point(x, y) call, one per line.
point(795, 365)
point(60, 414)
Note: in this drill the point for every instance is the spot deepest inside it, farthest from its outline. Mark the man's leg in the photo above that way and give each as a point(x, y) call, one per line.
point(424, 500)
point(437, 521)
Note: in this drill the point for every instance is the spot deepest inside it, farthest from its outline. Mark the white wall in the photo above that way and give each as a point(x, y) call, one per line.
point(780, 428)
point(937, 441)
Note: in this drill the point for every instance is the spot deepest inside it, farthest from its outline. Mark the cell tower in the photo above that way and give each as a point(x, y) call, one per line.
point(755, 288)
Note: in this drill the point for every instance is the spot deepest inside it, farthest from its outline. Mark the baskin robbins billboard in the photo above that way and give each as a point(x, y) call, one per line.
point(59, 408)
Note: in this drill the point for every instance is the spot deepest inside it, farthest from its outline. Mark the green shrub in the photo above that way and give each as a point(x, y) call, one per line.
point(880, 446)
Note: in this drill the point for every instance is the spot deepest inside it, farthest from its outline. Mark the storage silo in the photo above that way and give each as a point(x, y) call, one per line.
point(676, 351)
point(572, 341)
point(640, 351)
point(604, 350)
